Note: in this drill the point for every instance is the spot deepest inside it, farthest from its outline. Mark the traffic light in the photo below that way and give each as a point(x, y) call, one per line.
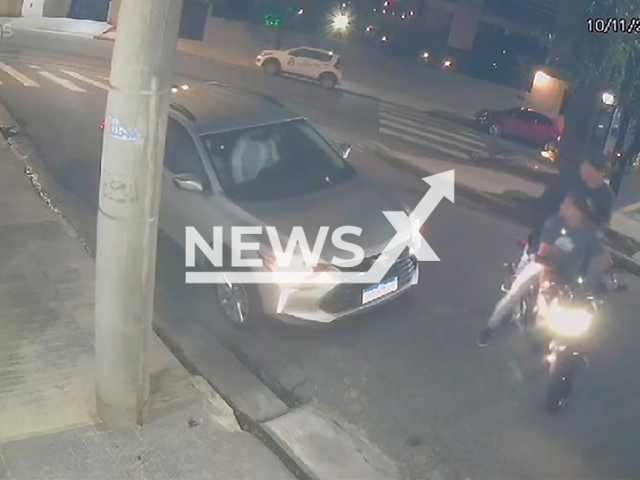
point(272, 20)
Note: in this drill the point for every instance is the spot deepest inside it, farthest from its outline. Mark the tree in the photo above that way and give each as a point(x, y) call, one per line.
point(592, 62)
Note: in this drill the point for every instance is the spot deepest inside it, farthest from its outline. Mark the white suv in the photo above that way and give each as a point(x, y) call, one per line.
point(312, 63)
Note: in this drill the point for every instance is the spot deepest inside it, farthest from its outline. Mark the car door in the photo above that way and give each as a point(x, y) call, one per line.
point(521, 124)
point(545, 129)
point(293, 61)
point(317, 63)
point(182, 204)
point(299, 62)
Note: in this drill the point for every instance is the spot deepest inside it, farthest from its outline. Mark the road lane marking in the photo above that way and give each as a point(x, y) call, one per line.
point(416, 115)
point(82, 78)
point(418, 134)
point(23, 79)
point(102, 77)
point(466, 137)
point(430, 145)
point(62, 81)
point(427, 119)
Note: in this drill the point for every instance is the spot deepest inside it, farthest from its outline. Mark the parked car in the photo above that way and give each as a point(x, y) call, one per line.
point(311, 63)
point(237, 158)
point(522, 124)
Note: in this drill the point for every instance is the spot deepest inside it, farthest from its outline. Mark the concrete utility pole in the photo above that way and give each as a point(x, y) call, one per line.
point(132, 158)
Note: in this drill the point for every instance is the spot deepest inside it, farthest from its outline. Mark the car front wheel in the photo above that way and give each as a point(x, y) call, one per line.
point(495, 130)
point(239, 303)
point(271, 67)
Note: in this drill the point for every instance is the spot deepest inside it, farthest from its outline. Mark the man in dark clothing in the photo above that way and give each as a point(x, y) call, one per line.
point(589, 180)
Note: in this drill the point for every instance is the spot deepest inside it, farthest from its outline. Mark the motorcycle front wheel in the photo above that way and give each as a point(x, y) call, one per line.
point(560, 384)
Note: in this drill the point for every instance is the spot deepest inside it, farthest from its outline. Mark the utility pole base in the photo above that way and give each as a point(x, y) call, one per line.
point(121, 417)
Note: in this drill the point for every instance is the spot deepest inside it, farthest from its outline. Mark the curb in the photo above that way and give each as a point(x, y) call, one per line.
point(512, 210)
point(302, 444)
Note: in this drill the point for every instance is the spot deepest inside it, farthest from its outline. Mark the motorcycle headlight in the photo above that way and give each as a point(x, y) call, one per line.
point(569, 322)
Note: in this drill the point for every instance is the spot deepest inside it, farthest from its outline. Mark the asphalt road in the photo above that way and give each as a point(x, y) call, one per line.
point(408, 375)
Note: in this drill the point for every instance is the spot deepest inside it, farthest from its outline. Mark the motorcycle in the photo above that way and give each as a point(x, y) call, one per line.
point(565, 315)
point(559, 316)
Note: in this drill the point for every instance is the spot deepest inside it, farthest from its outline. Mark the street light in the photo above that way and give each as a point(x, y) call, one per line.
point(608, 98)
point(541, 78)
point(340, 22)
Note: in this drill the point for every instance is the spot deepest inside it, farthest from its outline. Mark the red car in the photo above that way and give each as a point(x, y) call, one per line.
point(521, 124)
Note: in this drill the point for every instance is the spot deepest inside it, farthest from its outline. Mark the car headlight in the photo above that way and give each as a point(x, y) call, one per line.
point(297, 270)
point(416, 236)
point(569, 322)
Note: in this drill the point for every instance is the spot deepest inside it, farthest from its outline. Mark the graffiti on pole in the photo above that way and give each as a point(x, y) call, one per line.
point(117, 131)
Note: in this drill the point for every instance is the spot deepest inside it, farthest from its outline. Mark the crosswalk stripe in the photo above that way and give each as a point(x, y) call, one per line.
point(437, 138)
point(82, 78)
point(465, 137)
point(417, 116)
point(428, 120)
point(430, 145)
point(62, 81)
point(23, 79)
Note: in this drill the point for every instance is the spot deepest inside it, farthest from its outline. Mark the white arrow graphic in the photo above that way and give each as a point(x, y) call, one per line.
point(442, 186)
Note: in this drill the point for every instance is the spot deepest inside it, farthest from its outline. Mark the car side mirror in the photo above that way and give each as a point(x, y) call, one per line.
point(345, 149)
point(188, 183)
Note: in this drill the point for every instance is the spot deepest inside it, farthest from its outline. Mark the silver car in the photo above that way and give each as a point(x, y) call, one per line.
point(236, 158)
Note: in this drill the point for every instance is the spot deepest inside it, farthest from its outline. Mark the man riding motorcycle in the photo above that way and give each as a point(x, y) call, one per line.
point(588, 180)
point(565, 241)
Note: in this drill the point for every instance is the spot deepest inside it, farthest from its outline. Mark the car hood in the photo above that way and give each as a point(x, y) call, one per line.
point(355, 202)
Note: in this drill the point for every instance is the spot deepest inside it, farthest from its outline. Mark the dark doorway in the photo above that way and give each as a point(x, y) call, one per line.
point(97, 10)
point(194, 19)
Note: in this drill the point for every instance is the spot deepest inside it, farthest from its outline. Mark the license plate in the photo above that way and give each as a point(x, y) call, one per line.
point(385, 288)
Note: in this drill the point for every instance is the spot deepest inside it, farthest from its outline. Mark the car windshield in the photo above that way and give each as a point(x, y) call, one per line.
point(275, 161)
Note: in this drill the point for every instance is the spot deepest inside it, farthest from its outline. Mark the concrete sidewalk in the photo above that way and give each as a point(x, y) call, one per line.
point(67, 26)
point(626, 222)
point(48, 424)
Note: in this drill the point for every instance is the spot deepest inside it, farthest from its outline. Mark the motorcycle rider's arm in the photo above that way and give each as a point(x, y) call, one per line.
point(551, 199)
point(546, 250)
point(543, 257)
point(602, 214)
